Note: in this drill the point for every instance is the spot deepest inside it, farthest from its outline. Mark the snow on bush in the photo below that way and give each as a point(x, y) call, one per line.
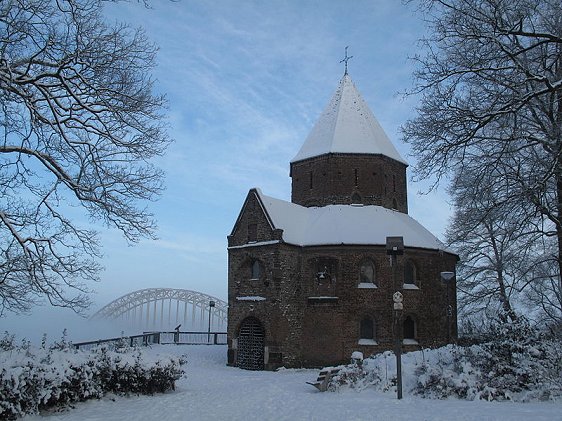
point(33, 379)
point(521, 364)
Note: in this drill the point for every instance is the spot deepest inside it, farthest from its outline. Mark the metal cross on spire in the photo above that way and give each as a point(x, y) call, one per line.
point(346, 59)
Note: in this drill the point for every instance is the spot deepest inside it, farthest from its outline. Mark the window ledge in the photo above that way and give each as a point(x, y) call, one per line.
point(367, 285)
point(324, 300)
point(410, 342)
point(410, 286)
point(367, 342)
point(251, 298)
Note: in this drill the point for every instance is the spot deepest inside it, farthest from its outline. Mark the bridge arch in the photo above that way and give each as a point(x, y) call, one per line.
point(166, 308)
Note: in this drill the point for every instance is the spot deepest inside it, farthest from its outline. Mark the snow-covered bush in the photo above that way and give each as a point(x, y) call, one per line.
point(357, 376)
point(32, 379)
point(520, 364)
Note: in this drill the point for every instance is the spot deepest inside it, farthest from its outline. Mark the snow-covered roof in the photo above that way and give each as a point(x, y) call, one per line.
point(345, 224)
point(347, 125)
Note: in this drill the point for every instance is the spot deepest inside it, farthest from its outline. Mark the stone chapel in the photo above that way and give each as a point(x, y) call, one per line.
point(310, 281)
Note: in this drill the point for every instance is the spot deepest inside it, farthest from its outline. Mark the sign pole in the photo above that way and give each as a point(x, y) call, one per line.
point(395, 247)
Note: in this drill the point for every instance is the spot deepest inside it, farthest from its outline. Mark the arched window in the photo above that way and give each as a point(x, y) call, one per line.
point(410, 274)
point(367, 274)
point(394, 204)
point(410, 328)
point(367, 331)
point(255, 270)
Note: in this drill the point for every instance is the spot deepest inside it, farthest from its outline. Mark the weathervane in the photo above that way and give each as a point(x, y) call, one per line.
point(346, 59)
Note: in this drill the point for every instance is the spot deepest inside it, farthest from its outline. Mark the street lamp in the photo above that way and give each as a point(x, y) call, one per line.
point(211, 305)
point(447, 277)
point(395, 247)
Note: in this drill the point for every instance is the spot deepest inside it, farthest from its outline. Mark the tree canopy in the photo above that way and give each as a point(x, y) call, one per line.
point(79, 125)
point(490, 83)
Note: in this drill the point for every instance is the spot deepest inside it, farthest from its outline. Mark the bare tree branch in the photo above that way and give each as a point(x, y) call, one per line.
point(79, 125)
point(491, 112)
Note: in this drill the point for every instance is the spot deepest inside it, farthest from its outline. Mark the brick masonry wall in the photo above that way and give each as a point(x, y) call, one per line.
point(427, 304)
point(282, 311)
point(337, 178)
point(308, 331)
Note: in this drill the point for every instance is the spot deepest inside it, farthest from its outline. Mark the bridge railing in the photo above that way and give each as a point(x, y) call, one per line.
point(149, 338)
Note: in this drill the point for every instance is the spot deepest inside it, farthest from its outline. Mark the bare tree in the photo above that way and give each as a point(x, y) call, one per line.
point(543, 296)
point(495, 242)
point(491, 95)
point(79, 125)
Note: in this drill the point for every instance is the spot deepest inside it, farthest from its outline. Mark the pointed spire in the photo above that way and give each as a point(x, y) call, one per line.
point(347, 125)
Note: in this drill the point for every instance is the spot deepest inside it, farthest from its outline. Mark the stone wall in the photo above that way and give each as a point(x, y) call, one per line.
point(281, 311)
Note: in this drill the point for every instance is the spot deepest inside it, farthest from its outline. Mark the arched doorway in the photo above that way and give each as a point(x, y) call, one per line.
point(251, 345)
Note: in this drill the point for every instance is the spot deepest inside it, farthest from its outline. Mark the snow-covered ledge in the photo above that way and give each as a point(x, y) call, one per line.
point(254, 244)
point(409, 286)
point(367, 342)
point(410, 342)
point(251, 298)
point(367, 285)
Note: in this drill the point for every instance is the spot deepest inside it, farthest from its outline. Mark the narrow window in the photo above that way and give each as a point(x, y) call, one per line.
point(394, 204)
point(367, 273)
point(409, 328)
point(366, 329)
point(385, 184)
point(310, 175)
point(355, 198)
point(256, 270)
point(409, 273)
point(394, 183)
point(356, 178)
point(252, 232)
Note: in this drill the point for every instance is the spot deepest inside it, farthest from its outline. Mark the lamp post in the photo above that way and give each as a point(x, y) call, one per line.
point(447, 277)
point(394, 248)
point(211, 305)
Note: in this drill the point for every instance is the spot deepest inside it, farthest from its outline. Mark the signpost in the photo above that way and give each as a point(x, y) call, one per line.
point(394, 248)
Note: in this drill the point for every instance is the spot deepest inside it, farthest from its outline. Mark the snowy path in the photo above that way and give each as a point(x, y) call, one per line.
point(212, 391)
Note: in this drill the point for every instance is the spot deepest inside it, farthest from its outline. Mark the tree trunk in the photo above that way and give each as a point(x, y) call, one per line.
point(558, 133)
point(558, 222)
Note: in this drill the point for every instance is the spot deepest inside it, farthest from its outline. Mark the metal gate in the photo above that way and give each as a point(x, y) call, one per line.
point(251, 345)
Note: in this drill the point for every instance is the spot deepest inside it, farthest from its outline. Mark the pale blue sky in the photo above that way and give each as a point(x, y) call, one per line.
point(246, 81)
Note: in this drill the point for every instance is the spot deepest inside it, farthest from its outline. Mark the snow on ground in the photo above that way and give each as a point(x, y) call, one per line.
point(213, 391)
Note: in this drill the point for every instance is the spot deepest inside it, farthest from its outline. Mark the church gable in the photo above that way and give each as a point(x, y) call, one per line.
point(254, 225)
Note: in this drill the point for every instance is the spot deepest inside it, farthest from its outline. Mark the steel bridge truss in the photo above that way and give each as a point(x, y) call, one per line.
point(165, 308)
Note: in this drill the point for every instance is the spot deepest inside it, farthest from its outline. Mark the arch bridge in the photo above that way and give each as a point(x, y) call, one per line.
point(166, 308)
